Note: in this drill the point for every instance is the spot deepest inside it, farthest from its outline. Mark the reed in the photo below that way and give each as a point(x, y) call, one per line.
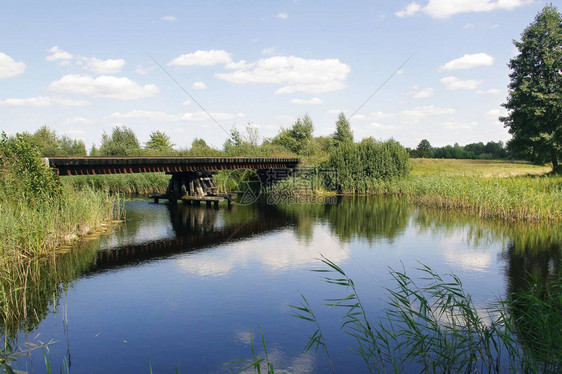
point(141, 184)
point(432, 325)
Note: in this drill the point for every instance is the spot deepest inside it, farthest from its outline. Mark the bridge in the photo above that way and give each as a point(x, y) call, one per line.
point(192, 177)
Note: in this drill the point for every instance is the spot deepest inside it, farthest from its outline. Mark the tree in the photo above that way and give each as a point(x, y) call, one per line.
point(159, 142)
point(424, 149)
point(122, 142)
point(298, 138)
point(534, 102)
point(343, 131)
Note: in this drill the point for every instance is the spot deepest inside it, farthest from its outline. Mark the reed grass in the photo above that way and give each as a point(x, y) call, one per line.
point(142, 184)
point(432, 325)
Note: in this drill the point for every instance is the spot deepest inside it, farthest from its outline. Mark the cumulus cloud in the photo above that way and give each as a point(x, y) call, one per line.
point(423, 94)
point(269, 51)
point(199, 86)
point(169, 18)
point(447, 8)
point(102, 66)
point(313, 101)
point(9, 67)
point(454, 83)
point(202, 58)
point(295, 74)
point(468, 62)
point(408, 116)
point(491, 91)
point(282, 15)
point(43, 101)
point(453, 125)
point(104, 86)
point(411, 9)
point(167, 117)
point(58, 54)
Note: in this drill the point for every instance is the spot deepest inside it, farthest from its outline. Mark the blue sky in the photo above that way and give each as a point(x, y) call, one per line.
point(82, 68)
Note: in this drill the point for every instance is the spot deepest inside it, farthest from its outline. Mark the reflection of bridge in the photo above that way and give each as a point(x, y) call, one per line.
point(191, 176)
point(195, 228)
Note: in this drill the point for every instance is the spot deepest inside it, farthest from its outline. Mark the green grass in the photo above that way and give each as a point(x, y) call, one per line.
point(145, 183)
point(432, 325)
point(475, 168)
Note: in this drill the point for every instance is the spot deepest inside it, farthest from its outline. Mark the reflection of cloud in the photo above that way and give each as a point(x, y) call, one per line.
point(267, 250)
point(466, 259)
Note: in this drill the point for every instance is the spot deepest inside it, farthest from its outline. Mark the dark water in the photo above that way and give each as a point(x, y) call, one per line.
point(191, 287)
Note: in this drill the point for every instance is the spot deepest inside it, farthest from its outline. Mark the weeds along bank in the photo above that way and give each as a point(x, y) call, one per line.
point(38, 213)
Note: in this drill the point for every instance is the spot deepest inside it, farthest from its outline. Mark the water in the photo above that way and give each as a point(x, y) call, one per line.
point(191, 287)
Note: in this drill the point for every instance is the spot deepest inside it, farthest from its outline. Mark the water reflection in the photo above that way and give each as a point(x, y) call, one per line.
point(282, 239)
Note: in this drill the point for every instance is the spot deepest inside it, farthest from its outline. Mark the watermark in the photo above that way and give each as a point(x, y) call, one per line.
point(282, 186)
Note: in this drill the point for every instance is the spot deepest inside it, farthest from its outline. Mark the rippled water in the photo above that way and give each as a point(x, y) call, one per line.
point(191, 287)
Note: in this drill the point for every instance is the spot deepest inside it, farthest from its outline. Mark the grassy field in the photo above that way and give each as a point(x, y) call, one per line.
point(476, 168)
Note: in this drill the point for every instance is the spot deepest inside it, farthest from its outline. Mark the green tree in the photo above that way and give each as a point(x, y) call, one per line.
point(534, 103)
point(298, 138)
point(122, 142)
point(424, 149)
point(159, 142)
point(71, 147)
point(343, 130)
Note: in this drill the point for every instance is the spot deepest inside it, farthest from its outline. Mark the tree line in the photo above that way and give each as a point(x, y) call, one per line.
point(489, 151)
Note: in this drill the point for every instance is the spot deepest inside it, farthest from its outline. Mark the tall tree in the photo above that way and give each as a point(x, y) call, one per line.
point(343, 132)
point(298, 138)
point(159, 142)
point(534, 103)
point(424, 149)
point(122, 142)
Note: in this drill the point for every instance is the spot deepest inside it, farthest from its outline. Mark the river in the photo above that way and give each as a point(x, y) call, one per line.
point(194, 287)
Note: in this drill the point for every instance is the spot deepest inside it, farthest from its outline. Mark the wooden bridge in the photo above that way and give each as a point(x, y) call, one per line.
point(192, 177)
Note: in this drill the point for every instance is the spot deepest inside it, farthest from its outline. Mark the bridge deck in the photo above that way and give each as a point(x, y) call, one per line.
point(122, 165)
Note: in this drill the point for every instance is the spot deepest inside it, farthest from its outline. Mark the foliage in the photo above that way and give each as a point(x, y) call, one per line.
point(48, 143)
point(121, 142)
point(159, 142)
point(343, 132)
point(297, 139)
point(534, 103)
point(361, 165)
point(24, 174)
point(424, 149)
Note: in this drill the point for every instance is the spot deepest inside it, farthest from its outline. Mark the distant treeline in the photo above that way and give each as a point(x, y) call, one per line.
point(488, 151)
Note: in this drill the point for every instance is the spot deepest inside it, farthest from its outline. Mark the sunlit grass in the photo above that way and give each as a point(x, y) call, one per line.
point(475, 168)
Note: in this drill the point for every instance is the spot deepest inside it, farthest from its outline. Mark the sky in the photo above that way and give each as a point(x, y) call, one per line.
point(433, 69)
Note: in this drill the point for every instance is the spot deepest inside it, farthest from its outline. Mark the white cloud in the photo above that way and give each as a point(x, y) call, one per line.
point(411, 9)
point(169, 18)
point(447, 8)
point(142, 70)
point(199, 86)
point(104, 86)
point(491, 91)
point(9, 67)
point(58, 54)
point(295, 74)
point(416, 114)
point(423, 94)
point(454, 83)
point(469, 26)
point(43, 101)
point(202, 58)
point(167, 117)
point(282, 15)
point(468, 62)
point(102, 66)
point(186, 103)
point(453, 125)
point(313, 101)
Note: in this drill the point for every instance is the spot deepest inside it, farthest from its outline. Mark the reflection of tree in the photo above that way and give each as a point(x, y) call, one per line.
point(534, 287)
point(30, 287)
point(355, 217)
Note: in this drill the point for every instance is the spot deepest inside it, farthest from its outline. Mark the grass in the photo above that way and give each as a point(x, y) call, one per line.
point(432, 325)
point(475, 168)
point(143, 184)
